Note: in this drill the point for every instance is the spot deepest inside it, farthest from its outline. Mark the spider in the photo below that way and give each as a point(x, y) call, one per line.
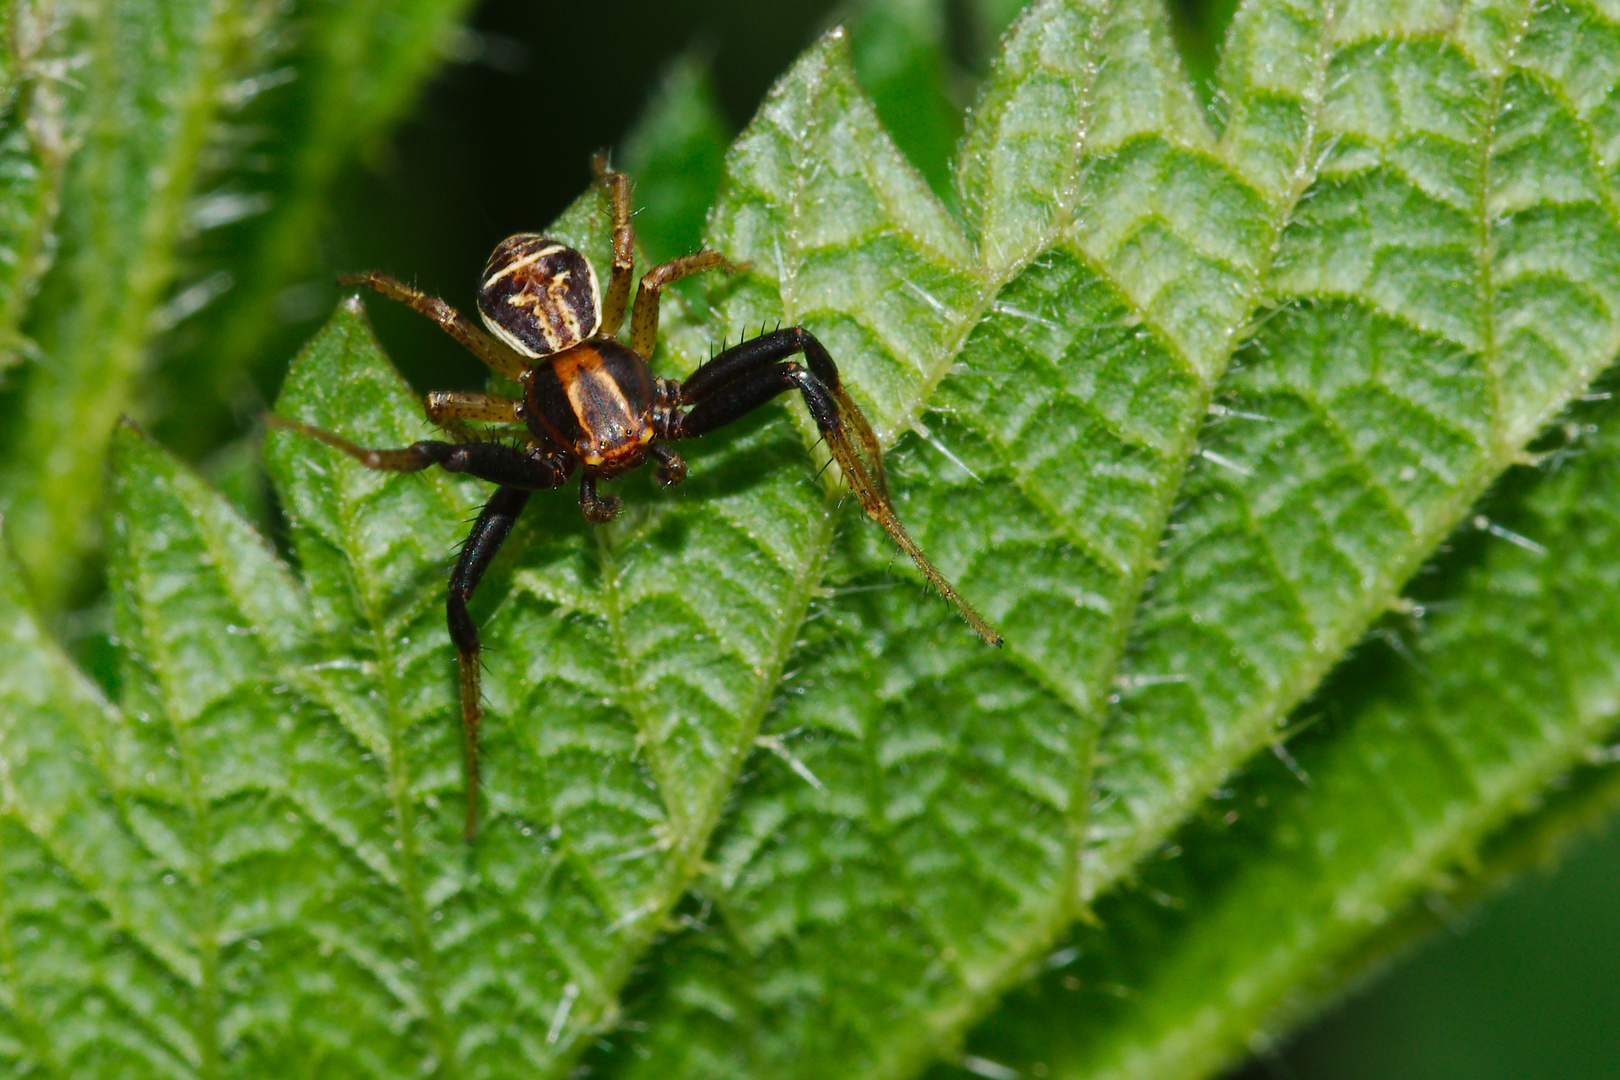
point(591, 404)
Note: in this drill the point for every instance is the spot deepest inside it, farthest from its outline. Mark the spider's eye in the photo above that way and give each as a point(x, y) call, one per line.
point(539, 296)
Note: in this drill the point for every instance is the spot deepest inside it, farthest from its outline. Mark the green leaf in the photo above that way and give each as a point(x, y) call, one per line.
point(93, 961)
point(1301, 876)
point(350, 72)
point(153, 78)
point(1179, 410)
point(625, 679)
point(955, 864)
point(1440, 294)
point(37, 134)
point(153, 126)
point(1332, 233)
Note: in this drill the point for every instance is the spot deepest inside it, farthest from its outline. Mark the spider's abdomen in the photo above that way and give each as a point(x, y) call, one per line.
point(595, 401)
point(539, 296)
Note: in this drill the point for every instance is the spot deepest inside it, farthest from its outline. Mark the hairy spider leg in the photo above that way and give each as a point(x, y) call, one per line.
point(747, 375)
point(598, 509)
point(494, 523)
point(518, 471)
point(748, 355)
point(466, 405)
point(532, 469)
point(446, 409)
point(502, 360)
point(644, 319)
point(617, 186)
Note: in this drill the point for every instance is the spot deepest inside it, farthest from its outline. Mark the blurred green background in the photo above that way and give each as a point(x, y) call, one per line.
point(1525, 985)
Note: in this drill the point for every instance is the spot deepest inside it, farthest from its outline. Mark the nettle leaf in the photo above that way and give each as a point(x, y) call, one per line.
point(152, 77)
point(1409, 770)
point(1405, 237)
point(625, 685)
point(1180, 410)
point(504, 957)
point(343, 75)
point(927, 870)
point(37, 135)
point(93, 960)
point(1447, 284)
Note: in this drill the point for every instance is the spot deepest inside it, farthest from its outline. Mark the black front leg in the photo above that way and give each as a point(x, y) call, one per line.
point(492, 527)
point(528, 468)
point(747, 358)
point(750, 373)
point(519, 471)
point(747, 375)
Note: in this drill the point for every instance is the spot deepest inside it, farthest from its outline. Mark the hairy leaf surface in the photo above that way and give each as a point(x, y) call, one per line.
point(1496, 685)
point(1180, 401)
point(1381, 232)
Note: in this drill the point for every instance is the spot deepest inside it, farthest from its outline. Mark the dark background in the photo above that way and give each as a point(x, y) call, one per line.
point(1528, 985)
point(502, 142)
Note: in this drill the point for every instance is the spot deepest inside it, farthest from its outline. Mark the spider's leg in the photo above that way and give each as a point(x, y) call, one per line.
point(519, 470)
point(492, 527)
point(644, 320)
point(413, 458)
point(749, 356)
point(747, 375)
point(597, 509)
point(500, 358)
point(444, 404)
point(671, 469)
point(529, 468)
point(446, 409)
point(624, 245)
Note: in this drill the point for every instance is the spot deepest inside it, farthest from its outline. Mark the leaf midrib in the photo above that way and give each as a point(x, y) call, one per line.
point(1483, 252)
point(399, 782)
point(204, 906)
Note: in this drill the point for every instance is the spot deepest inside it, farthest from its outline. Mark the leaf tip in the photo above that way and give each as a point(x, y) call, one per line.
point(128, 435)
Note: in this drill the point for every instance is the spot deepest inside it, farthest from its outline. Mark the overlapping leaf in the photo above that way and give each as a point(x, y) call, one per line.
point(153, 76)
point(344, 73)
point(156, 95)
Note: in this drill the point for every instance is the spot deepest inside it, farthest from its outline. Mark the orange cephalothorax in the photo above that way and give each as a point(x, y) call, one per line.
point(596, 401)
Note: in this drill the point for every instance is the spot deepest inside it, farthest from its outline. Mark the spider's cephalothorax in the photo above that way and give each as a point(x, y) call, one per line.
point(591, 404)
